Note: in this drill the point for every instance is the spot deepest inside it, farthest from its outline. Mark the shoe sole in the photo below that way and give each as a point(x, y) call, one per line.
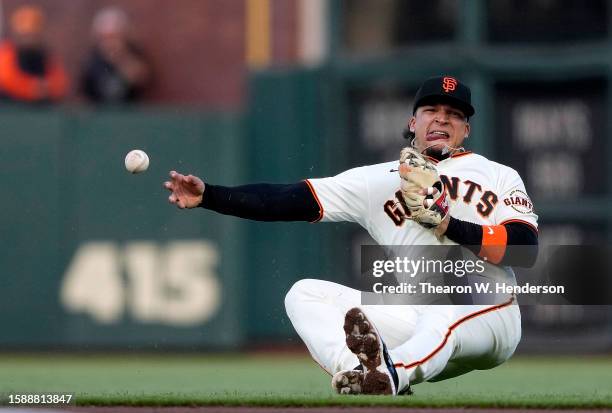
point(348, 382)
point(364, 341)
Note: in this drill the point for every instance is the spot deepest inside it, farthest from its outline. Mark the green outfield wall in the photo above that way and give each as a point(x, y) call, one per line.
point(93, 256)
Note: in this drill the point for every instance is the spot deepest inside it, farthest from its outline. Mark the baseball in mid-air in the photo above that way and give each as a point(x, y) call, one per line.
point(136, 161)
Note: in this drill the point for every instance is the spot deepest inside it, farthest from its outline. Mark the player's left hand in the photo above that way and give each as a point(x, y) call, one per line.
point(422, 189)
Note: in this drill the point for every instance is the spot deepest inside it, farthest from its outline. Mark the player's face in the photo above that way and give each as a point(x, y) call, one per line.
point(437, 127)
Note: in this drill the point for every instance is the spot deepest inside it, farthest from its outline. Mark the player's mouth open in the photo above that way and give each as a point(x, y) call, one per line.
point(436, 135)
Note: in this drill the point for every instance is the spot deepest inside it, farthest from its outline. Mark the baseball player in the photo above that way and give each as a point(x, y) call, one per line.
point(438, 194)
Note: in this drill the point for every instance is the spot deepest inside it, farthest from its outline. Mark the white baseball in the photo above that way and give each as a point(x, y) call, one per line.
point(136, 161)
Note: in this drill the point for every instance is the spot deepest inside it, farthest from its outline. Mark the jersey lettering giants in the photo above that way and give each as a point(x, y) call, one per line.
point(479, 191)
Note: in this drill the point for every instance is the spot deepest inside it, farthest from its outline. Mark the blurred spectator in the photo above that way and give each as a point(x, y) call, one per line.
point(29, 72)
point(117, 71)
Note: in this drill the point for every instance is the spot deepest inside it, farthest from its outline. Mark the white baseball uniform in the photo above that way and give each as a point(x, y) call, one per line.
point(426, 343)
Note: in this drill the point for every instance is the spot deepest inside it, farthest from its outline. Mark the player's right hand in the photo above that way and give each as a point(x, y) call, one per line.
point(187, 191)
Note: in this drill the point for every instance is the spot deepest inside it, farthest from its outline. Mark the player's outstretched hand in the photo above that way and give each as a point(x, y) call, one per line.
point(186, 190)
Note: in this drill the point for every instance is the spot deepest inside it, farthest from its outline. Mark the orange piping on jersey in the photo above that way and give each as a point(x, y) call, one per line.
point(450, 330)
point(456, 155)
point(314, 193)
point(494, 240)
point(520, 221)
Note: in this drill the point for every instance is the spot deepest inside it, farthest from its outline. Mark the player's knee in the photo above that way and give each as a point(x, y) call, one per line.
point(296, 295)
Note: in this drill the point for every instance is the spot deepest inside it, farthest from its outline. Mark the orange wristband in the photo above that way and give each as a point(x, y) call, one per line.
point(494, 241)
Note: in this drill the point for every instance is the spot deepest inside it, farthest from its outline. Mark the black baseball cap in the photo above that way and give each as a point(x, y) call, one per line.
point(445, 89)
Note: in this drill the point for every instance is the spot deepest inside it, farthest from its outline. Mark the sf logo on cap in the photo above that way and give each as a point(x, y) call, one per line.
point(449, 84)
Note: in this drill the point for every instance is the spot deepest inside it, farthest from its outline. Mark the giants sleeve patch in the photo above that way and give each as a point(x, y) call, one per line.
point(519, 201)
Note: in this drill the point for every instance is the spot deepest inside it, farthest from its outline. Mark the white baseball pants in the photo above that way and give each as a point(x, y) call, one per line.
point(426, 343)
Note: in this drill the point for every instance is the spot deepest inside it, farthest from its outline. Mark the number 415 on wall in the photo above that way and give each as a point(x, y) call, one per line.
point(173, 284)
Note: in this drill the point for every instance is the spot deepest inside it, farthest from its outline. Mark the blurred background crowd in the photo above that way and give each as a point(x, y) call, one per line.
point(115, 69)
point(121, 52)
point(107, 52)
point(269, 91)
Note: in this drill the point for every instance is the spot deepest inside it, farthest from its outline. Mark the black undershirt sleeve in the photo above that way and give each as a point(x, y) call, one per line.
point(469, 235)
point(264, 202)
point(465, 233)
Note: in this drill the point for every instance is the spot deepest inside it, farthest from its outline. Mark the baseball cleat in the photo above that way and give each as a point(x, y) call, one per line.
point(362, 338)
point(348, 382)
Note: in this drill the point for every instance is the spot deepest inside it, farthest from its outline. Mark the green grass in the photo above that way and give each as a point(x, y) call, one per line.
point(296, 381)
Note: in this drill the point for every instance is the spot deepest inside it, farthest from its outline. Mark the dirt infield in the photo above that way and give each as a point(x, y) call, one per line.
point(245, 409)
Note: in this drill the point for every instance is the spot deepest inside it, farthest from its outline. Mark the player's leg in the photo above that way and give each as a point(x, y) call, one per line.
point(472, 337)
point(427, 352)
point(452, 369)
point(317, 311)
point(484, 342)
point(488, 340)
